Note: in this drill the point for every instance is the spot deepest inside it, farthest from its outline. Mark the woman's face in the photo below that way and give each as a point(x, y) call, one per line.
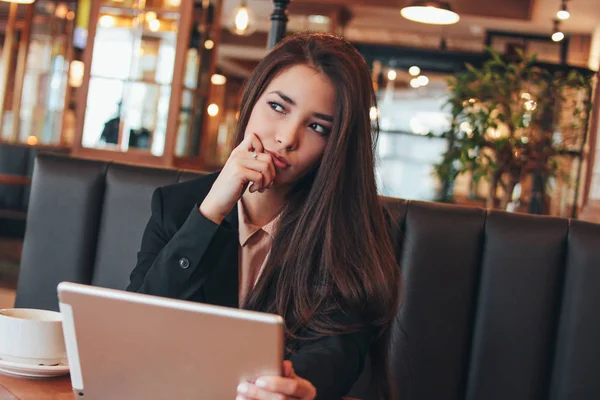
point(293, 119)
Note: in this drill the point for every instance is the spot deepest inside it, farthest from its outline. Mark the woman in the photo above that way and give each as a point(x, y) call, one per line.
point(291, 225)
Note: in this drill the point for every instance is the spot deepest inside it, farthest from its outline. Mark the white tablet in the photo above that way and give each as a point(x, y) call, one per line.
point(123, 345)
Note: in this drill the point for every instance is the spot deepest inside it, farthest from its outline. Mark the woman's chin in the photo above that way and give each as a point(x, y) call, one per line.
point(280, 181)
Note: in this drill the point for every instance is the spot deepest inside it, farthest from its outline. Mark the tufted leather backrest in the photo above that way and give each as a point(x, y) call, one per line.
point(495, 305)
point(85, 223)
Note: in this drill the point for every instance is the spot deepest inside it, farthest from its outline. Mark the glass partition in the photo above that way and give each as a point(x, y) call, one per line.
point(131, 76)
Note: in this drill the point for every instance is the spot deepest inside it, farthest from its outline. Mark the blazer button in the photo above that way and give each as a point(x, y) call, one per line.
point(184, 263)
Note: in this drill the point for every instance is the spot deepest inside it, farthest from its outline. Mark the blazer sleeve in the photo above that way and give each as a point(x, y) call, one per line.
point(166, 262)
point(333, 363)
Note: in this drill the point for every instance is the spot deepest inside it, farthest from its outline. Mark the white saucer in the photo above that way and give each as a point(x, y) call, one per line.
point(33, 371)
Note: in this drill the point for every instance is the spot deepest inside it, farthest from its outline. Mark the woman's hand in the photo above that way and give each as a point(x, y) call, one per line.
point(290, 386)
point(247, 163)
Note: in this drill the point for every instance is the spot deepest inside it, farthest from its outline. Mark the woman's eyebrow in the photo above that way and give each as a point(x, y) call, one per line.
point(289, 100)
point(284, 97)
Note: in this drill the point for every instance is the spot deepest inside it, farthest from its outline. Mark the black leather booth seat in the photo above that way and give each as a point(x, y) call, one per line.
point(496, 306)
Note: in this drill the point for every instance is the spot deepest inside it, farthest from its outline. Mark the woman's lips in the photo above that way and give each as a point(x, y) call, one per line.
point(279, 161)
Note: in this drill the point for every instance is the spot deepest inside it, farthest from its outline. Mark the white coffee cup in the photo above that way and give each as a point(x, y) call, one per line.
point(29, 336)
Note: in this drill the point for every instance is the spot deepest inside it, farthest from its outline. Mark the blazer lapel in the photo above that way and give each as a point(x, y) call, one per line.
point(221, 286)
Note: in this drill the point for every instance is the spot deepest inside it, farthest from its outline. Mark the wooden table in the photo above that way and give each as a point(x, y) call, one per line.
point(7, 179)
point(17, 388)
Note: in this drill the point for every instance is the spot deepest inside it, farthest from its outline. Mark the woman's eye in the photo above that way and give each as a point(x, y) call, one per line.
point(277, 107)
point(320, 129)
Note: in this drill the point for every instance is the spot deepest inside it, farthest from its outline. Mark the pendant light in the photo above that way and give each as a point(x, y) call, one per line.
point(243, 22)
point(430, 12)
point(557, 34)
point(563, 13)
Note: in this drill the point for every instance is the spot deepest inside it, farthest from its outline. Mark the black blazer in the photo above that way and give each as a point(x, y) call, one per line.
point(186, 256)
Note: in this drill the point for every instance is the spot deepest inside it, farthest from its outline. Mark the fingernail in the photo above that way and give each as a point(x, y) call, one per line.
point(242, 387)
point(260, 383)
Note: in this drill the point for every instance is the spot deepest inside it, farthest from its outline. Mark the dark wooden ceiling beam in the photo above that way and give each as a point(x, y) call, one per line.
point(511, 9)
point(257, 39)
point(313, 8)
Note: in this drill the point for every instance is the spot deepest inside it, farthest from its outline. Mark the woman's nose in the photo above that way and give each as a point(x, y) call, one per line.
point(288, 135)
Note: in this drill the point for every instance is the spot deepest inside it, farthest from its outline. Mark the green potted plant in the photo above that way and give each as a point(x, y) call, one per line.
point(512, 119)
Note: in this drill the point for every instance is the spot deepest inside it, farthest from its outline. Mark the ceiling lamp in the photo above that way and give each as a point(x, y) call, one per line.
point(414, 70)
point(218, 79)
point(430, 12)
point(563, 13)
point(557, 34)
point(243, 22)
point(213, 110)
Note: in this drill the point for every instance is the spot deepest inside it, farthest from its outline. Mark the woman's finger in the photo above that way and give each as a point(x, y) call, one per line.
point(252, 142)
point(266, 157)
point(253, 392)
point(252, 147)
point(288, 369)
point(291, 387)
point(263, 167)
point(257, 176)
point(272, 171)
point(250, 175)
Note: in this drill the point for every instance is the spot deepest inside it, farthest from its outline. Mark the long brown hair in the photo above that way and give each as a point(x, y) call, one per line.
point(332, 250)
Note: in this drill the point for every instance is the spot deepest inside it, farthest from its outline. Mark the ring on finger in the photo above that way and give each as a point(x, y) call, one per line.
point(254, 155)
